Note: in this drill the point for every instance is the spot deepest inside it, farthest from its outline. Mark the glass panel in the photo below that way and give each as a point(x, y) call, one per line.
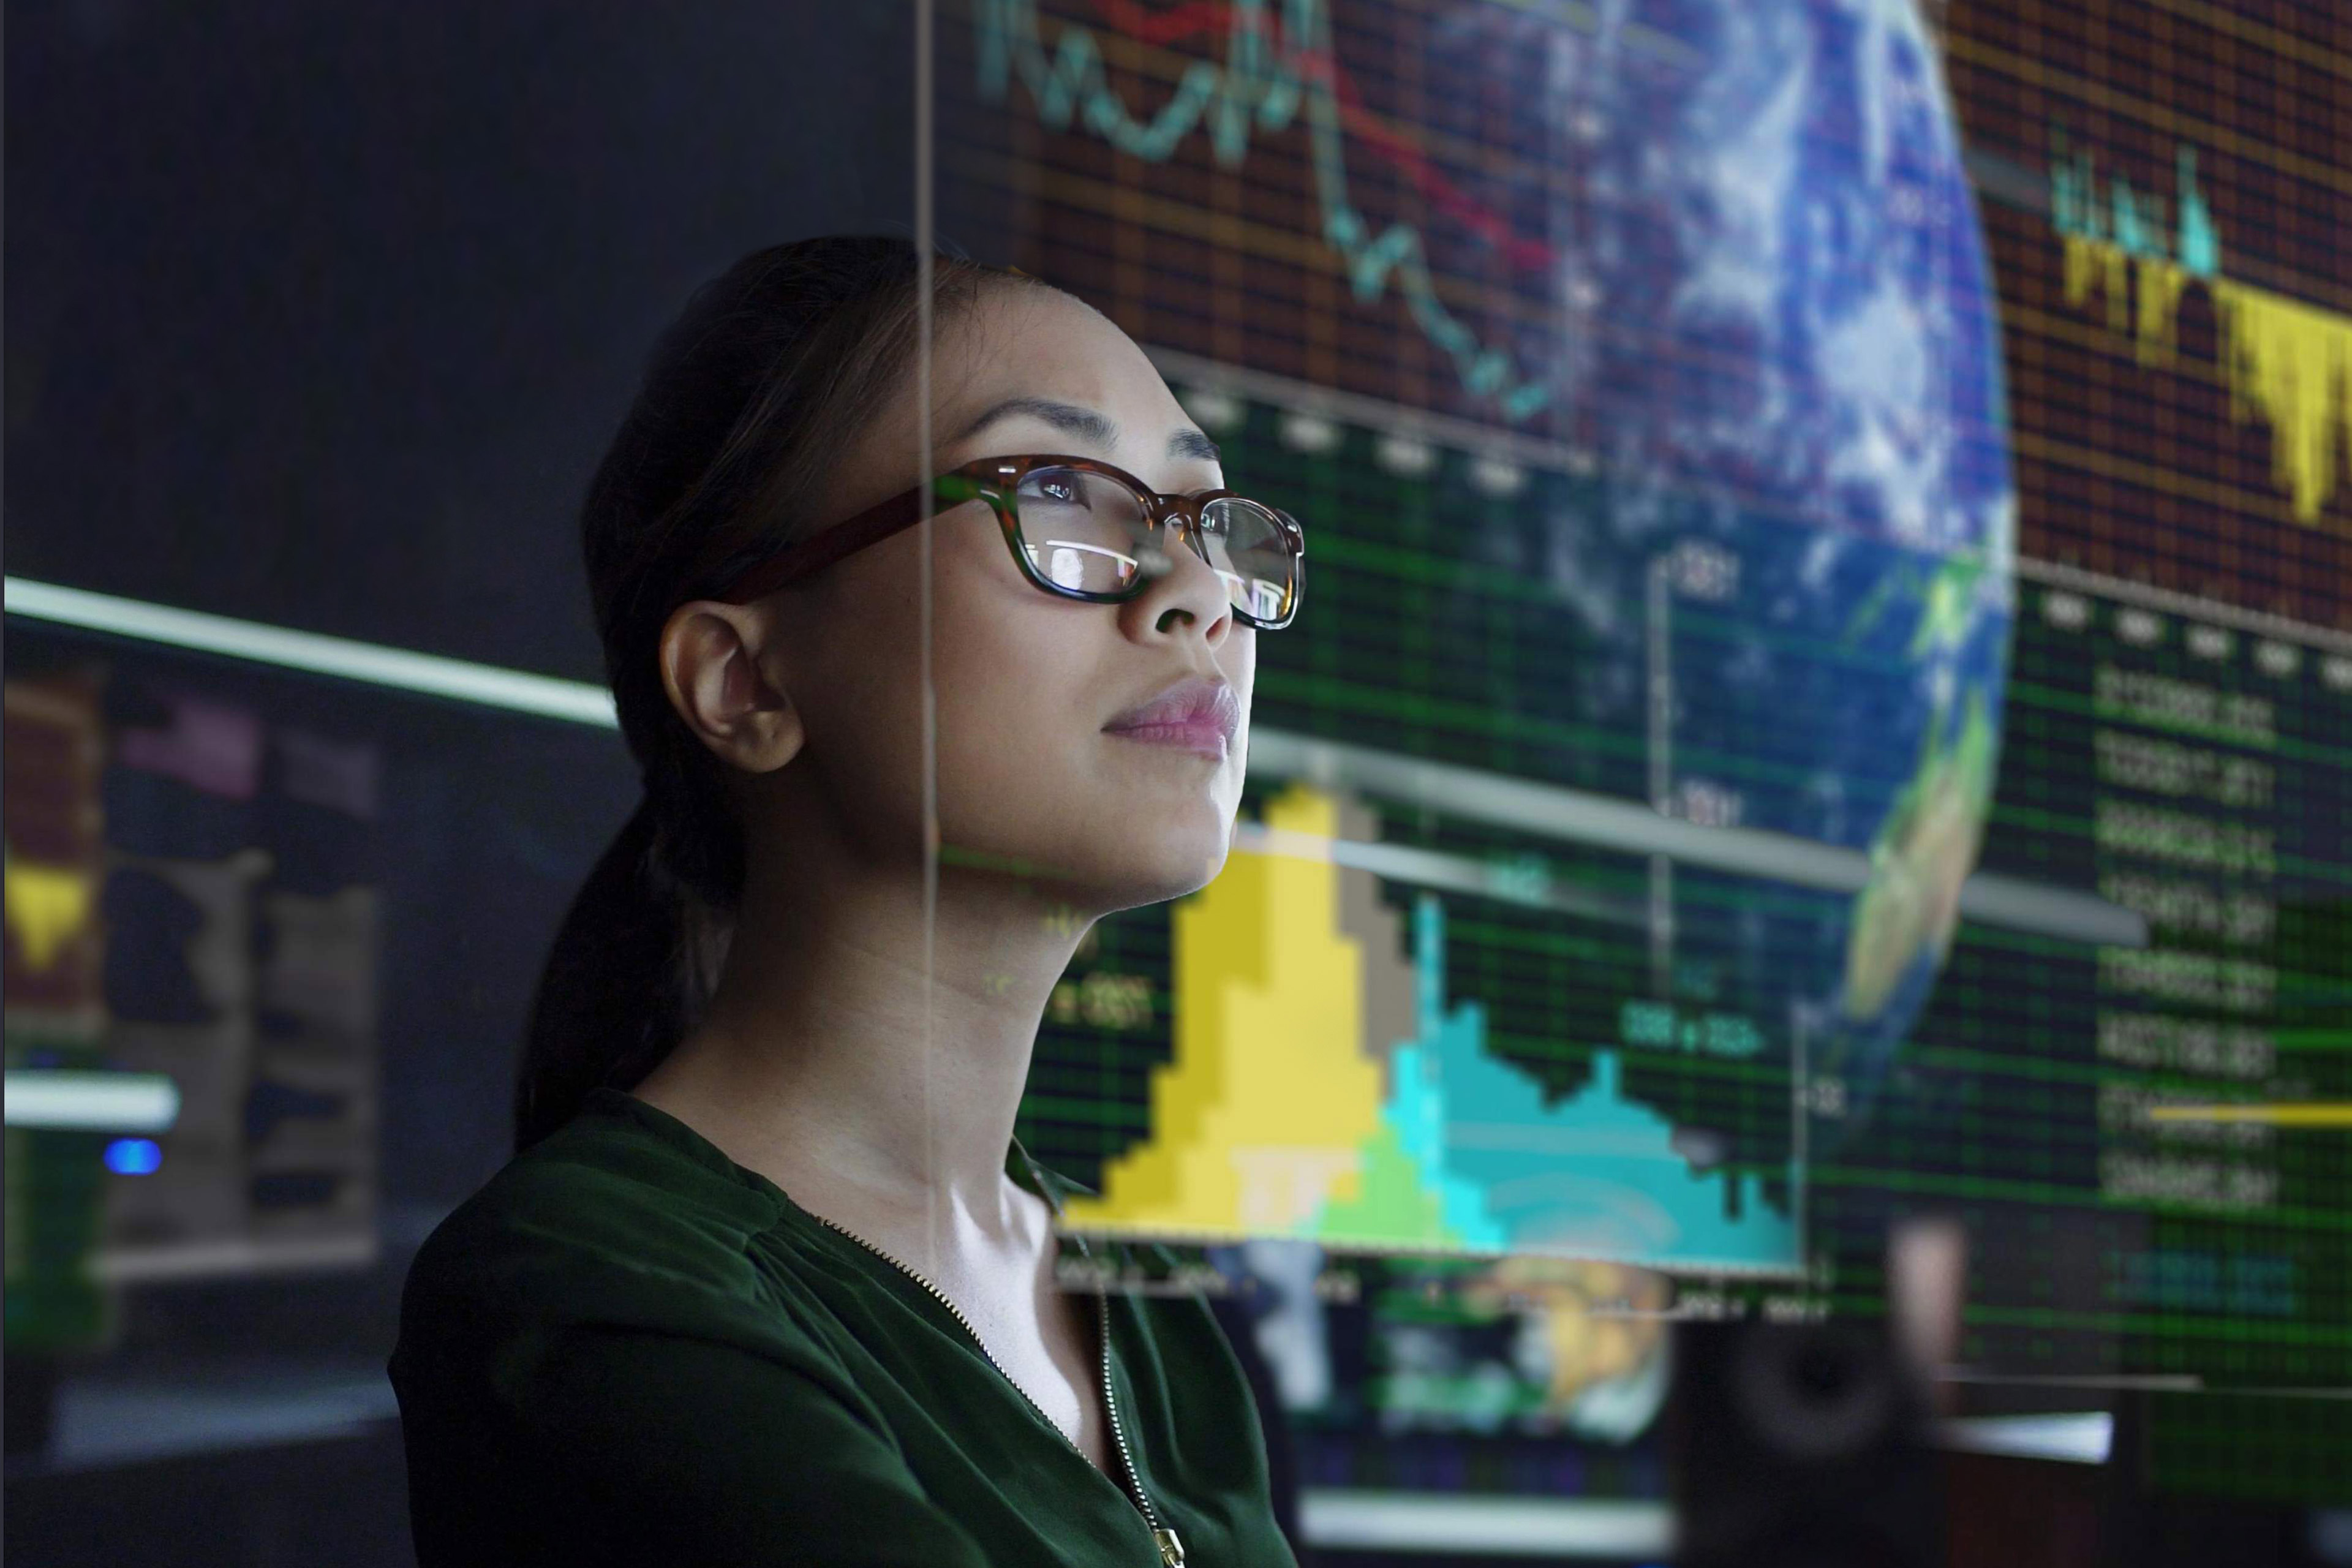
point(1734, 727)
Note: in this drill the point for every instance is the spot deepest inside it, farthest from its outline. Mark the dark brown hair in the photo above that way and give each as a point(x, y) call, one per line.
point(769, 370)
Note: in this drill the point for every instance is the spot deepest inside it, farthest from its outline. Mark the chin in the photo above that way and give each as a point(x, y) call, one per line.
point(1114, 846)
point(1186, 864)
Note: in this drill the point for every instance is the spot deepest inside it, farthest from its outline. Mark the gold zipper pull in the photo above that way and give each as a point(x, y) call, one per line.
point(1171, 1551)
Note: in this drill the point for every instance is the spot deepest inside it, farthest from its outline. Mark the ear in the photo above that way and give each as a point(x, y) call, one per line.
point(721, 669)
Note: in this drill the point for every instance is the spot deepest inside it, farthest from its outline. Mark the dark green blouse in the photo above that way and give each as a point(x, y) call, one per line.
point(628, 1349)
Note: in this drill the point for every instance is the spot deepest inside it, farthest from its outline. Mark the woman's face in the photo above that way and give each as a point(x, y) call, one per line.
point(1029, 686)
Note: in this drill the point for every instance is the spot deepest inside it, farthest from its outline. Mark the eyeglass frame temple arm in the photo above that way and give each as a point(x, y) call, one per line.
point(845, 539)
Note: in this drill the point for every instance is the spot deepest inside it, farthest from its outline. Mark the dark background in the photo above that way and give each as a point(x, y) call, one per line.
point(321, 314)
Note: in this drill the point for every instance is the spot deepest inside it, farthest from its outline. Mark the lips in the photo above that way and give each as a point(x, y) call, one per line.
point(1202, 715)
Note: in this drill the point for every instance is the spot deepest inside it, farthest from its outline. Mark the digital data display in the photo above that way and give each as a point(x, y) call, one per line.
point(1825, 686)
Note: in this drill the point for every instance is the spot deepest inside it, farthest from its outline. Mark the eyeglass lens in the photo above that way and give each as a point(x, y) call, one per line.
point(1088, 532)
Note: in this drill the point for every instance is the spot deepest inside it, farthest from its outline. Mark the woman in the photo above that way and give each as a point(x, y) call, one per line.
point(770, 1280)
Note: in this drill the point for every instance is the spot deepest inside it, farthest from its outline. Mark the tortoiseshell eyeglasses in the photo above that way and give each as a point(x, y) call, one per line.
point(1080, 529)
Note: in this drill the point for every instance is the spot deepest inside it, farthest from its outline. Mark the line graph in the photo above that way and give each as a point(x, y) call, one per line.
point(1262, 86)
point(1185, 22)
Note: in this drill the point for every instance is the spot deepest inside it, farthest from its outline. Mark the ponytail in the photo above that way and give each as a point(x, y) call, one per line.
point(608, 1007)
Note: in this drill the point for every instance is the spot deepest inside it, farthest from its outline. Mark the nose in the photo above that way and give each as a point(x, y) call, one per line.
point(1185, 594)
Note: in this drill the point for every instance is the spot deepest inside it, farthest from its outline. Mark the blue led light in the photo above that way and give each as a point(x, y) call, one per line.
point(134, 1156)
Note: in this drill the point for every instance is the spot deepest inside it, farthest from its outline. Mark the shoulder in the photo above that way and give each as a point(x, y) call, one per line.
point(614, 1291)
point(610, 1221)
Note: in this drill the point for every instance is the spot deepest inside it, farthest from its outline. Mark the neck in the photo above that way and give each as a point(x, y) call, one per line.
point(829, 1056)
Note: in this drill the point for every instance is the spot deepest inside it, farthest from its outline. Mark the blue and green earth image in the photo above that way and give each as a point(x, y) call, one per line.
point(1775, 334)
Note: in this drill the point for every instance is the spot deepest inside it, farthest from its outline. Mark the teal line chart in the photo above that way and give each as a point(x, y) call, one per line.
point(1597, 1175)
point(1258, 87)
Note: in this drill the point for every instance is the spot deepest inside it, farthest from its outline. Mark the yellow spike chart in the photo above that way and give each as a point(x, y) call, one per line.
point(1323, 1087)
point(2285, 362)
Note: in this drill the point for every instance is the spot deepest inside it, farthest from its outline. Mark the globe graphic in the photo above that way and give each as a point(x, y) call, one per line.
point(1775, 334)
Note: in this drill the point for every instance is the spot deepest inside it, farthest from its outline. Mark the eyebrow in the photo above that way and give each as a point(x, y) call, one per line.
point(1086, 425)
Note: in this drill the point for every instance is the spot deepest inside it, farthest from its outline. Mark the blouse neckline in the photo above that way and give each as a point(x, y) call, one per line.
point(1019, 1164)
